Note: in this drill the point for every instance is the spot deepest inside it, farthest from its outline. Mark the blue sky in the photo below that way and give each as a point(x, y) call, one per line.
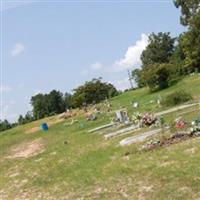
point(59, 45)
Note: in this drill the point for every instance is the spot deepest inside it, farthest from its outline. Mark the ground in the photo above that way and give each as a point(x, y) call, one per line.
point(68, 162)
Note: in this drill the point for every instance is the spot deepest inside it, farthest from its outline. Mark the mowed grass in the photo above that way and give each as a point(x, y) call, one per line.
point(90, 167)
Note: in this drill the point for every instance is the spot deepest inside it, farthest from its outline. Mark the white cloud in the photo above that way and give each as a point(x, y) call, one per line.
point(131, 58)
point(17, 49)
point(96, 66)
point(4, 88)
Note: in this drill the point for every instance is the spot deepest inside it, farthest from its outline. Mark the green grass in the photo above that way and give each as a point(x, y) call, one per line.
point(90, 167)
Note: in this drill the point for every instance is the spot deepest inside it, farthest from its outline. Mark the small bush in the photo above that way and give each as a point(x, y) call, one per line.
point(176, 98)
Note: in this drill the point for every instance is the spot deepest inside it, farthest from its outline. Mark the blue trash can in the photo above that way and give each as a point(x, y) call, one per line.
point(44, 127)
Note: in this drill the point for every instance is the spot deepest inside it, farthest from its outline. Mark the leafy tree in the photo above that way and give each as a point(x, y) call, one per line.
point(28, 117)
point(68, 100)
point(39, 106)
point(159, 76)
point(136, 74)
point(189, 9)
point(190, 15)
point(21, 120)
point(159, 49)
point(4, 125)
point(55, 103)
point(47, 104)
point(191, 45)
point(93, 91)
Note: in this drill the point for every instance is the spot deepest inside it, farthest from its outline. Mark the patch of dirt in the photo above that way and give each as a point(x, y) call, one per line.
point(33, 130)
point(26, 150)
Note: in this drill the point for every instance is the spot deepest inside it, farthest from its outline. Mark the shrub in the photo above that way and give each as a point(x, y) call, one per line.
point(159, 76)
point(176, 98)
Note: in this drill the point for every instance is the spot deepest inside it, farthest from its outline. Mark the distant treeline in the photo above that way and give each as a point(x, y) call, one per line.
point(55, 102)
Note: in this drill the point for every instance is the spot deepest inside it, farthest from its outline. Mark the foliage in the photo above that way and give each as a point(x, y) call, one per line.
point(159, 49)
point(157, 72)
point(47, 104)
point(176, 98)
point(93, 91)
point(159, 76)
point(189, 9)
point(68, 100)
point(191, 45)
point(26, 119)
point(136, 74)
point(4, 125)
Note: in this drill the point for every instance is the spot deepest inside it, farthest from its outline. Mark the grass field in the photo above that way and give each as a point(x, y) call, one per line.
point(72, 163)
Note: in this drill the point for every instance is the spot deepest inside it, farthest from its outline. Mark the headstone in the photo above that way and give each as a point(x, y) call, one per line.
point(122, 116)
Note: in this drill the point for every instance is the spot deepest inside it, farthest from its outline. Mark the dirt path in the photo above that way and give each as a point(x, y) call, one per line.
point(27, 149)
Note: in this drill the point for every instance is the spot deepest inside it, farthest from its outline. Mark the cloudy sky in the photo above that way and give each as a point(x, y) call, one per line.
point(61, 44)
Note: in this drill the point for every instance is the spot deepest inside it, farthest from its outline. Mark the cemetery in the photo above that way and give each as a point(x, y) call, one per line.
point(90, 146)
point(100, 100)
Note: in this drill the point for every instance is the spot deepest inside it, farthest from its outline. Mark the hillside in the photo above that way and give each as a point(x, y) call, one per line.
point(68, 162)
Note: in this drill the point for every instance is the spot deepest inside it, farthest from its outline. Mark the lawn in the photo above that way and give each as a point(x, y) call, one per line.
point(74, 164)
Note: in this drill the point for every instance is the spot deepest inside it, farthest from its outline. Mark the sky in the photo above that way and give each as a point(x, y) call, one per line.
point(48, 45)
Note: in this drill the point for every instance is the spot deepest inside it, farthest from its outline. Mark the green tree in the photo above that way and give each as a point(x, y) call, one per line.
point(68, 100)
point(55, 102)
point(4, 125)
point(189, 10)
point(39, 104)
point(47, 104)
point(136, 74)
point(159, 76)
point(93, 91)
point(21, 120)
point(190, 16)
point(159, 49)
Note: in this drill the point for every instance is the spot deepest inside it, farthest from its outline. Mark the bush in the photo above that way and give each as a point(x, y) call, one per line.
point(159, 76)
point(176, 98)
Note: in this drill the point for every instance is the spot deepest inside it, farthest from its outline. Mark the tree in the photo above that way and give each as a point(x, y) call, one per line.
point(136, 74)
point(28, 117)
point(93, 91)
point(159, 49)
point(159, 76)
point(190, 16)
point(39, 106)
point(4, 125)
point(21, 120)
point(68, 100)
point(55, 102)
point(47, 104)
point(189, 9)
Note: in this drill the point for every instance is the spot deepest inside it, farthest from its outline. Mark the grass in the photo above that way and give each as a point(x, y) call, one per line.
point(89, 167)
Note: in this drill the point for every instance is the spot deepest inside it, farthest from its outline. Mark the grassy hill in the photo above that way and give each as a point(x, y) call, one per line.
point(68, 162)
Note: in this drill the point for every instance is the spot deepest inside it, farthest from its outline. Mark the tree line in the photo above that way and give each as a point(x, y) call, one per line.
point(56, 102)
point(166, 59)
